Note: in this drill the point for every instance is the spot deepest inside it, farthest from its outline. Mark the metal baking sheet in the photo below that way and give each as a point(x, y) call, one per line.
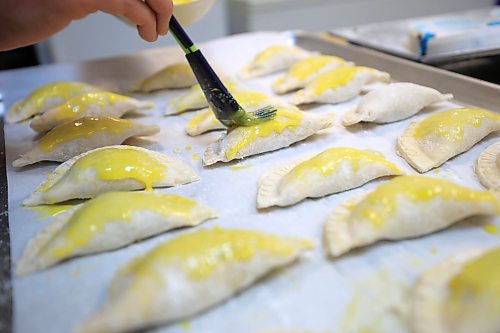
point(367, 288)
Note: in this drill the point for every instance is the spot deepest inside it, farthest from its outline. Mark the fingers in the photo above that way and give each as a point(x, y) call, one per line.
point(163, 10)
point(137, 11)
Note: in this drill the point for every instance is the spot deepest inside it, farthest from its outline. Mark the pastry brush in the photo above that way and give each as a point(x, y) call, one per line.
point(226, 108)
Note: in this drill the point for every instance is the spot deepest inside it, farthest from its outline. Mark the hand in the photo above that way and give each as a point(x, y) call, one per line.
point(25, 22)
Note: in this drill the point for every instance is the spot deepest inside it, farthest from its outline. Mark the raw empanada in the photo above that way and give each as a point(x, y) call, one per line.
point(404, 207)
point(92, 104)
point(189, 274)
point(459, 295)
point(488, 167)
point(428, 143)
point(114, 168)
point(108, 222)
point(305, 71)
point(71, 139)
point(393, 102)
point(338, 85)
point(194, 99)
point(273, 59)
point(204, 121)
point(332, 171)
point(174, 76)
point(289, 126)
point(45, 98)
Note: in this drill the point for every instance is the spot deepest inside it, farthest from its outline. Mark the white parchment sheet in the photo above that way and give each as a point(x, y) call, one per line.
point(367, 288)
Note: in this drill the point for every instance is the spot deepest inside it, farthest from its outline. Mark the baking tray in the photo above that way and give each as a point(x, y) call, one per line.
point(365, 289)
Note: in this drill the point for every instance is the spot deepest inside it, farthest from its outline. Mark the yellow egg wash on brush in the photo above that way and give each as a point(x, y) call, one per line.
point(329, 161)
point(382, 203)
point(201, 252)
point(450, 124)
point(285, 119)
point(116, 207)
point(82, 128)
point(81, 103)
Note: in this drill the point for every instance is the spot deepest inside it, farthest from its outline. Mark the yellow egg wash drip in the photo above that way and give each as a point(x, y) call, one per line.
point(239, 167)
point(47, 211)
point(81, 103)
point(119, 164)
point(491, 229)
point(59, 89)
point(272, 51)
point(479, 277)
point(202, 117)
point(82, 128)
point(450, 124)
point(116, 207)
point(329, 161)
point(382, 203)
point(203, 251)
point(306, 68)
point(336, 78)
point(285, 119)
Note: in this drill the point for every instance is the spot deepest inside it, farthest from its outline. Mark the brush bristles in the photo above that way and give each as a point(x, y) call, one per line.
point(267, 112)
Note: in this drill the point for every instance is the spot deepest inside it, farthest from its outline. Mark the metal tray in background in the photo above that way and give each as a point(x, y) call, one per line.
point(468, 91)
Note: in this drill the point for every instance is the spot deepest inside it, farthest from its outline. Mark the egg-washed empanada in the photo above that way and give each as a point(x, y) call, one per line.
point(273, 59)
point(305, 71)
point(74, 138)
point(393, 102)
point(338, 85)
point(113, 168)
point(289, 126)
point(194, 99)
point(45, 98)
point(109, 221)
point(174, 76)
point(332, 171)
point(430, 142)
point(488, 167)
point(92, 104)
point(459, 295)
point(189, 274)
point(205, 120)
point(404, 207)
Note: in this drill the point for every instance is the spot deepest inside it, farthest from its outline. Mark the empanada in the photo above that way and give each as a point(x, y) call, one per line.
point(45, 98)
point(488, 167)
point(305, 71)
point(189, 274)
point(393, 102)
point(74, 138)
point(273, 59)
point(194, 99)
point(430, 142)
point(289, 126)
point(114, 168)
point(92, 104)
point(205, 121)
point(459, 295)
point(404, 207)
point(338, 85)
point(174, 76)
point(332, 171)
point(108, 222)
